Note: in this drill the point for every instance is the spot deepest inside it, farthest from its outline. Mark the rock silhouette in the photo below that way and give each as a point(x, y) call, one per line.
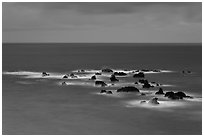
point(100, 83)
point(160, 91)
point(120, 73)
point(128, 89)
point(139, 75)
point(45, 74)
point(107, 70)
point(113, 78)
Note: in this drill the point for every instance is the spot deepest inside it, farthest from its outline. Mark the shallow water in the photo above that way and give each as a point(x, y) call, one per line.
point(36, 105)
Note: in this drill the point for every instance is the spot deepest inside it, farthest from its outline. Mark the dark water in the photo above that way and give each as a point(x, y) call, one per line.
point(45, 108)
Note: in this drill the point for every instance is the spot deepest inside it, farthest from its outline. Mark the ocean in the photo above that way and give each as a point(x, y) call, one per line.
point(37, 105)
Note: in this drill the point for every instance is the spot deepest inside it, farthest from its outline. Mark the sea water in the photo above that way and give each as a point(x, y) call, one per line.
point(33, 104)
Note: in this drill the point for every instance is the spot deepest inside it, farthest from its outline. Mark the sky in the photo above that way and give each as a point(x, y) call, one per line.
point(97, 22)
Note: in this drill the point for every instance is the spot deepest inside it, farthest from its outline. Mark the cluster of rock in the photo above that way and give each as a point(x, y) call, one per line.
point(45, 74)
point(172, 95)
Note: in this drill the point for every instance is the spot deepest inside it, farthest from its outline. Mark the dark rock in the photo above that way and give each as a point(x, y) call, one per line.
point(45, 74)
point(82, 70)
point(145, 70)
point(120, 73)
point(93, 77)
point(160, 91)
point(103, 91)
point(158, 84)
point(139, 75)
point(136, 83)
point(188, 97)
point(180, 94)
point(100, 83)
point(64, 83)
point(97, 73)
point(143, 94)
point(156, 70)
point(107, 70)
point(128, 89)
point(143, 101)
point(147, 85)
point(109, 92)
point(172, 95)
point(113, 78)
point(65, 76)
point(72, 75)
point(154, 101)
point(177, 95)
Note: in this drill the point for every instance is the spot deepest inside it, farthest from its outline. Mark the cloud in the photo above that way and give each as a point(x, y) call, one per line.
point(72, 16)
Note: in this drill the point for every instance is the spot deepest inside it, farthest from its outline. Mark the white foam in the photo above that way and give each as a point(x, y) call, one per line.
point(161, 105)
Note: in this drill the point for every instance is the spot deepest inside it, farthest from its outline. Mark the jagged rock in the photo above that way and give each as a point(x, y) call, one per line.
point(100, 83)
point(65, 76)
point(97, 73)
point(107, 70)
point(45, 74)
point(154, 101)
point(113, 78)
point(120, 73)
point(103, 91)
point(93, 77)
point(128, 89)
point(139, 75)
point(160, 91)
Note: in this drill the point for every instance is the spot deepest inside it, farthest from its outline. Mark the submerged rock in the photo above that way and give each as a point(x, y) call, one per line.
point(128, 89)
point(139, 75)
point(45, 74)
point(120, 73)
point(100, 83)
point(113, 78)
point(107, 70)
point(160, 91)
point(154, 101)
